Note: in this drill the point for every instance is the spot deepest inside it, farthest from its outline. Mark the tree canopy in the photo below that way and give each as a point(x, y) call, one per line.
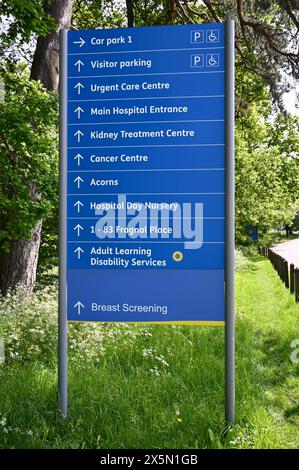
point(28, 154)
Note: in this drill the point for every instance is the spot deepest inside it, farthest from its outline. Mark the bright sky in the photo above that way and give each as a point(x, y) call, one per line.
point(291, 100)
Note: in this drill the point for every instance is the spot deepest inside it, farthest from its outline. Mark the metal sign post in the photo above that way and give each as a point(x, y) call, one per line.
point(146, 180)
point(230, 228)
point(62, 314)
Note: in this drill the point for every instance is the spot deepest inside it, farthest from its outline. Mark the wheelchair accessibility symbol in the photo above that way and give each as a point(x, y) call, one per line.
point(212, 60)
point(212, 35)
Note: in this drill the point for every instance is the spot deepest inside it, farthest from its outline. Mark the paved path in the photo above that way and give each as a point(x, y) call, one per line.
point(288, 250)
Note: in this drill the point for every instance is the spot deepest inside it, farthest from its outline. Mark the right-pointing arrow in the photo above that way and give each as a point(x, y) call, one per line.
point(78, 306)
point(81, 42)
point(79, 251)
point(78, 228)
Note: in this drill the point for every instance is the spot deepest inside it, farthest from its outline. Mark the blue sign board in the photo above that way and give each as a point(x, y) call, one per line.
point(252, 232)
point(146, 174)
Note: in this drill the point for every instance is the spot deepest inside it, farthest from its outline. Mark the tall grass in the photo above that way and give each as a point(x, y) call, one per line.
point(147, 386)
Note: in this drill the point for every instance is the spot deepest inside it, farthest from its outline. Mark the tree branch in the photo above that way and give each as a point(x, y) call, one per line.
point(262, 31)
point(289, 6)
point(249, 66)
point(204, 16)
point(130, 13)
point(211, 9)
point(185, 16)
point(171, 12)
point(177, 12)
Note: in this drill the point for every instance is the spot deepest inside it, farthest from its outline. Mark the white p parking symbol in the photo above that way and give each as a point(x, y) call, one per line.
point(197, 60)
point(197, 36)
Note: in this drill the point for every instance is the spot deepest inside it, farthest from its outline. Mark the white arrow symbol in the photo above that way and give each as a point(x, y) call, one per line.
point(79, 251)
point(78, 64)
point(79, 86)
point(78, 180)
point(78, 228)
point(79, 110)
point(78, 134)
point(78, 204)
point(78, 158)
point(79, 305)
point(81, 42)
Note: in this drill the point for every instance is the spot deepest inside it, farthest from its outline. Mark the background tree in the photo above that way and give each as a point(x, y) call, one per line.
point(267, 163)
point(95, 14)
point(28, 162)
point(267, 173)
point(266, 35)
point(19, 251)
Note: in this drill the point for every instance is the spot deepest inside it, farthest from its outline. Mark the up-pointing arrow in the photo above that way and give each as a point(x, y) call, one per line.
point(81, 42)
point(78, 306)
point(79, 251)
point(78, 87)
point(79, 110)
point(78, 180)
point(78, 204)
point(79, 64)
point(78, 134)
point(78, 228)
point(78, 157)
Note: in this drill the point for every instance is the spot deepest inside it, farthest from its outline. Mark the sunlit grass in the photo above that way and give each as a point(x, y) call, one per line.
point(152, 386)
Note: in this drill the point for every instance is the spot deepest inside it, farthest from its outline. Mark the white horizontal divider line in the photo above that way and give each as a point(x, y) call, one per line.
point(195, 49)
point(148, 98)
point(146, 218)
point(78, 124)
point(137, 194)
point(147, 146)
point(137, 241)
point(145, 74)
point(157, 169)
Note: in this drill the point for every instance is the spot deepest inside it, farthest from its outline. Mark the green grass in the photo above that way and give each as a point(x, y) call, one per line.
point(277, 237)
point(163, 386)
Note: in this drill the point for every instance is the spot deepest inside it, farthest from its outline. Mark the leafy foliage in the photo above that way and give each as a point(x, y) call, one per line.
point(24, 18)
point(28, 154)
point(267, 171)
point(266, 34)
point(151, 12)
point(95, 14)
point(28, 328)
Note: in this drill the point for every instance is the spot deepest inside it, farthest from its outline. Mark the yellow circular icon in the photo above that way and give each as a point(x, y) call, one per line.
point(177, 256)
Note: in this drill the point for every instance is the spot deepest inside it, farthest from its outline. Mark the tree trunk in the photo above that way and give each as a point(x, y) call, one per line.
point(130, 13)
point(19, 265)
point(45, 65)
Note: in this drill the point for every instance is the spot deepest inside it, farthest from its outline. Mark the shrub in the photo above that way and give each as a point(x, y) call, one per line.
point(241, 261)
point(28, 329)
